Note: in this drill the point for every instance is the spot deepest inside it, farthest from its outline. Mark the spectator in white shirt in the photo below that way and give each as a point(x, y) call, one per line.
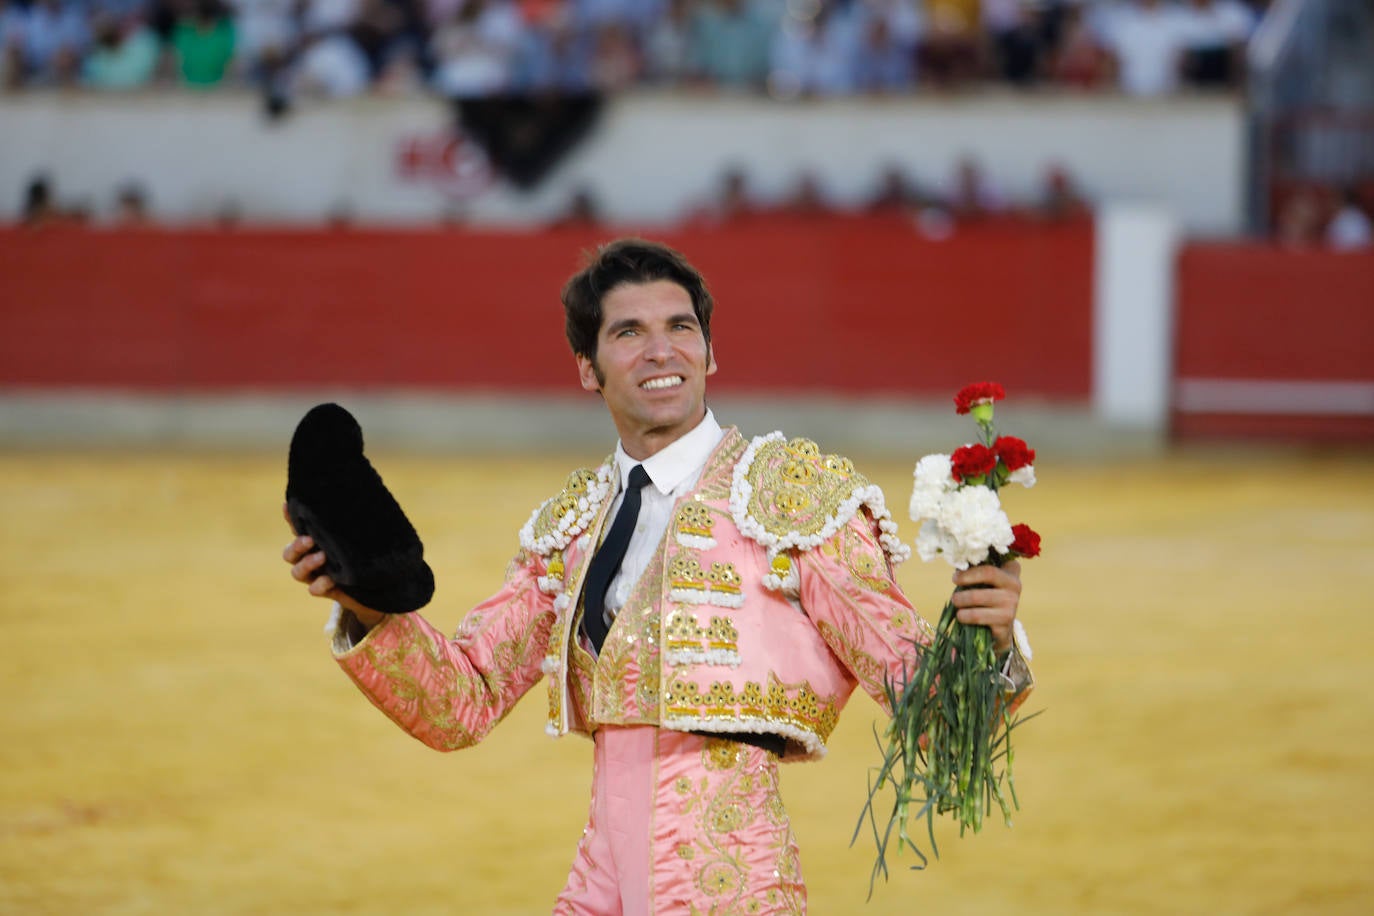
point(1350, 229)
point(262, 29)
point(475, 51)
point(331, 66)
point(326, 15)
point(1216, 32)
point(1147, 39)
point(55, 36)
point(816, 55)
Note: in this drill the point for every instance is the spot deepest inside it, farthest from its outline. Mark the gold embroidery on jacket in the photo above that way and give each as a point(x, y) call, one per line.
point(690, 584)
point(792, 705)
point(565, 503)
point(897, 629)
point(581, 694)
point(716, 480)
point(612, 673)
point(437, 704)
point(555, 701)
point(723, 578)
point(625, 687)
point(797, 490)
point(581, 680)
point(685, 640)
point(864, 558)
point(867, 669)
point(693, 525)
point(686, 575)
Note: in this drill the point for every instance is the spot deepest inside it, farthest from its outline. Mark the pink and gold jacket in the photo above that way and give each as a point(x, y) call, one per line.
point(770, 597)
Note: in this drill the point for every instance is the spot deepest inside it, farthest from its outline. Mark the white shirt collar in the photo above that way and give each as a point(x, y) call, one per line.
point(670, 466)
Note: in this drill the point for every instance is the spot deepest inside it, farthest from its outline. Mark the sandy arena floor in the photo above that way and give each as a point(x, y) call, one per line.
point(177, 740)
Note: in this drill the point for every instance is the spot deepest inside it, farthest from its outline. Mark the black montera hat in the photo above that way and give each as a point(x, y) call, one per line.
point(334, 495)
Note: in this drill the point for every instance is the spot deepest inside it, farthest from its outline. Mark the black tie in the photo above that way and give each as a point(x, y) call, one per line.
point(607, 559)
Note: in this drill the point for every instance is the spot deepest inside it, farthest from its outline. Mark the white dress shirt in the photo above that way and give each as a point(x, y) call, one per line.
point(673, 472)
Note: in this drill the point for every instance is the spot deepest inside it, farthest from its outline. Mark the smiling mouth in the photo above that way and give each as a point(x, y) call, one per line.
point(656, 384)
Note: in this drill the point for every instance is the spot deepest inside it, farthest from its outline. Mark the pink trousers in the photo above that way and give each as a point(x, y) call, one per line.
point(683, 824)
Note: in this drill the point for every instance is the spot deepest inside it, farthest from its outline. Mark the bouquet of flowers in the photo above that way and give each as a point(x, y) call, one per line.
point(947, 749)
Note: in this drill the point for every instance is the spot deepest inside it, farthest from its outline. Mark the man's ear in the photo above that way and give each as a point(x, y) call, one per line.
point(710, 359)
point(586, 373)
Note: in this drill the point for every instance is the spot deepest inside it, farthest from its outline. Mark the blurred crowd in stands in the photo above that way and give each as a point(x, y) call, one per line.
point(935, 207)
point(1335, 216)
point(478, 49)
point(1308, 216)
point(475, 48)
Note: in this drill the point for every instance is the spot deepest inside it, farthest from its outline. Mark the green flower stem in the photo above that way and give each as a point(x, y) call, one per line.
point(953, 700)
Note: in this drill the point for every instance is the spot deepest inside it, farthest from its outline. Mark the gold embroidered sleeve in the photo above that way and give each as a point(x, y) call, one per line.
point(847, 589)
point(449, 693)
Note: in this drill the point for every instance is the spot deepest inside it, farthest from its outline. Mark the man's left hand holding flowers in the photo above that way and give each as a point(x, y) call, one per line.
point(989, 596)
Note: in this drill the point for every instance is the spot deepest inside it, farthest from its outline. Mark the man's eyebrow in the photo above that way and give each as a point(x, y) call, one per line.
point(622, 324)
point(684, 318)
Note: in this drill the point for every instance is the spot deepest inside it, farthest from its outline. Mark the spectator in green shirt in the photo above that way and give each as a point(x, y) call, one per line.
point(125, 56)
point(204, 44)
point(730, 42)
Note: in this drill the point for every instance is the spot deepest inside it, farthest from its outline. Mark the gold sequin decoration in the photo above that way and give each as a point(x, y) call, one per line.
point(784, 704)
point(690, 584)
point(724, 578)
point(694, 519)
point(798, 490)
point(682, 633)
point(799, 471)
point(576, 488)
point(721, 634)
point(685, 572)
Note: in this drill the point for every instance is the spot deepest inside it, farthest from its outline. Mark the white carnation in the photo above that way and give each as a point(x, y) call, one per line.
point(974, 520)
point(933, 480)
point(1025, 476)
point(933, 541)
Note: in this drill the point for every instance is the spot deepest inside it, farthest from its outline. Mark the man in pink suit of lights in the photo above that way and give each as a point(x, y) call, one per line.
point(754, 594)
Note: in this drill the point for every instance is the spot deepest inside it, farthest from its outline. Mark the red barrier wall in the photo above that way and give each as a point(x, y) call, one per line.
point(1291, 333)
point(846, 305)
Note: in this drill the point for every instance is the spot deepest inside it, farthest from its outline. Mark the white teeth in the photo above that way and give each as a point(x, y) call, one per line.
point(671, 381)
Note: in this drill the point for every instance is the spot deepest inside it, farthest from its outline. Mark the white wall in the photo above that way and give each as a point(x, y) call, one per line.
point(653, 158)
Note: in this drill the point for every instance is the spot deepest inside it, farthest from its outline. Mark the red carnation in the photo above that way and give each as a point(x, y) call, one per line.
point(972, 461)
point(971, 396)
point(1014, 452)
point(1025, 542)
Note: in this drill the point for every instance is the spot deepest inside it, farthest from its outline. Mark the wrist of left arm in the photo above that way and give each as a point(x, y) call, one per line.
point(1012, 663)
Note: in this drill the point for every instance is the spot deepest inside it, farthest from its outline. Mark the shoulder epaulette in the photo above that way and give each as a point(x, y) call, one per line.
point(563, 517)
point(788, 495)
